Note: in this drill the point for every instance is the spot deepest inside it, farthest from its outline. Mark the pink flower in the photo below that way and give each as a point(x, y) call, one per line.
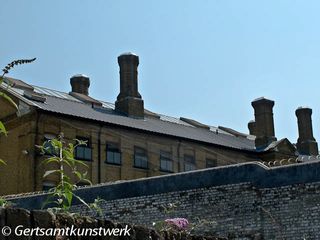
point(180, 223)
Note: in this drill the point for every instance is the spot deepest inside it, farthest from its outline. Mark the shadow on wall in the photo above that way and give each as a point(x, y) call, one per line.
point(256, 174)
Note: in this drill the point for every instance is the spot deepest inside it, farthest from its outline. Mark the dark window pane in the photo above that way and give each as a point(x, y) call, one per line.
point(110, 157)
point(189, 167)
point(83, 152)
point(189, 158)
point(87, 153)
point(140, 158)
point(211, 163)
point(166, 161)
point(81, 184)
point(79, 152)
point(117, 158)
point(169, 166)
point(47, 186)
point(189, 163)
point(113, 154)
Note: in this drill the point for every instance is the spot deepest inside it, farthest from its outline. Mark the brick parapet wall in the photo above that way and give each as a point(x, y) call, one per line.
point(246, 201)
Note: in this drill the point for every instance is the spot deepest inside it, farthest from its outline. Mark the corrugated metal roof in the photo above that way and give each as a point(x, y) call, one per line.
point(63, 103)
point(174, 120)
point(54, 93)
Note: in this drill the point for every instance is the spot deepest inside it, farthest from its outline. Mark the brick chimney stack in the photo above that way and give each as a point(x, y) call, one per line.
point(80, 84)
point(306, 144)
point(129, 101)
point(252, 127)
point(264, 125)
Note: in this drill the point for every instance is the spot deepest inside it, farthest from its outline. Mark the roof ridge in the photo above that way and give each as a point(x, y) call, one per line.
point(49, 89)
point(107, 102)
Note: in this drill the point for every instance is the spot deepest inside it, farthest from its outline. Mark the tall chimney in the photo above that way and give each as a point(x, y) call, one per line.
point(129, 101)
point(80, 84)
point(252, 127)
point(264, 125)
point(306, 144)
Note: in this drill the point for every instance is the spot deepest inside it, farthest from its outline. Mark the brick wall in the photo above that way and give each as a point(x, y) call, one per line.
point(24, 173)
point(20, 219)
point(245, 201)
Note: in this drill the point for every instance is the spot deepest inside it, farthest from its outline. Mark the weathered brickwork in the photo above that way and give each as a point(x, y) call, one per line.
point(24, 219)
point(238, 210)
point(24, 172)
point(229, 209)
point(291, 212)
point(244, 201)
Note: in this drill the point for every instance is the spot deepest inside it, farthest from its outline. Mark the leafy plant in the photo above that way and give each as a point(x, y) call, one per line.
point(168, 208)
point(4, 95)
point(182, 225)
point(172, 224)
point(179, 224)
point(5, 203)
point(95, 206)
point(3, 130)
point(62, 157)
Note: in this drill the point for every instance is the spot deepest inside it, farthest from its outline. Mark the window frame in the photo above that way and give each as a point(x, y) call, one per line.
point(84, 147)
point(143, 157)
point(82, 184)
point(115, 149)
point(47, 185)
point(47, 137)
point(167, 159)
point(191, 162)
point(214, 160)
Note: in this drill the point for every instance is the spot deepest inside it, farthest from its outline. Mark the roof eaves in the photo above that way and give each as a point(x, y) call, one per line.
point(12, 91)
point(154, 132)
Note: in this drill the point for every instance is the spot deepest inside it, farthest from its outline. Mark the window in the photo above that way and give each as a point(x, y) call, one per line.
point(82, 184)
point(211, 163)
point(84, 152)
point(189, 163)
point(166, 163)
point(140, 158)
point(47, 186)
point(113, 154)
point(48, 148)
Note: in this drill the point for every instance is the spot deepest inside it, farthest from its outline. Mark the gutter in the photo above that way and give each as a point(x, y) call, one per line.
point(99, 153)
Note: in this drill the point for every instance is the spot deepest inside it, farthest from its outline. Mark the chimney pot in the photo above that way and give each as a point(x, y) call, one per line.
point(252, 127)
point(306, 144)
point(264, 125)
point(80, 84)
point(129, 101)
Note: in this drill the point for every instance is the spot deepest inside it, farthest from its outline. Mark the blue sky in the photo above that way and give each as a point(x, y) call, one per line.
point(205, 60)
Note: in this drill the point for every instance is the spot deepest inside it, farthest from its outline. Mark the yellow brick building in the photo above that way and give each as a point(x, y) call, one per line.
point(125, 141)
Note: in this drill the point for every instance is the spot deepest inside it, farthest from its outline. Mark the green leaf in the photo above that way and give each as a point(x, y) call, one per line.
point(56, 143)
point(2, 162)
point(78, 174)
point(67, 162)
point(50, 160)
point(67, 154)
point(68, 195)
point(81, 163)
point(6, 97)
point(47, 173)
point(3, 129)
point(81, 200)
point(70, 148)
point(66, 179)
point(87, 180)
point(81, 142)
